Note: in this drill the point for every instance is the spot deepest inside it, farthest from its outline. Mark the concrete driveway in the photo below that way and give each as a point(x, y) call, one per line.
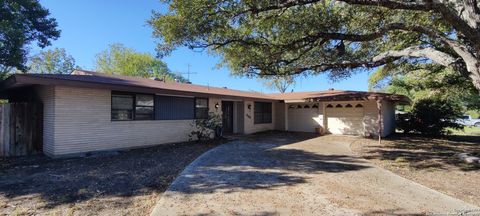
point(294, 174)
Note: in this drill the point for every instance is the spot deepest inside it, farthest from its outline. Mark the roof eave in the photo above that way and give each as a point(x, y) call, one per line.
point(22, 80)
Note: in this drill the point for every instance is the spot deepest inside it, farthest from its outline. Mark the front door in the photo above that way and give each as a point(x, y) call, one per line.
point(227, 116)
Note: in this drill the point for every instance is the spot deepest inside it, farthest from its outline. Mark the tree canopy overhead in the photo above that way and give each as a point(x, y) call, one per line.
point(340, 37)
point(21, 23)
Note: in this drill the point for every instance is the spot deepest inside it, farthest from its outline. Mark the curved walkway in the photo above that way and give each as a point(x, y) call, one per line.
point(291, 174)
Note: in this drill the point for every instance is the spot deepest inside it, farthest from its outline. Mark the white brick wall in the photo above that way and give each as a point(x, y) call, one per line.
point(77, 120)
point(82, 123)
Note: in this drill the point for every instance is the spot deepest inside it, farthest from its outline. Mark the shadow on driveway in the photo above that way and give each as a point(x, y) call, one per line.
point(259, 162)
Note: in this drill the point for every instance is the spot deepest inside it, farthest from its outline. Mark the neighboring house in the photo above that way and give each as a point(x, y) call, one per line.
point(89, 111)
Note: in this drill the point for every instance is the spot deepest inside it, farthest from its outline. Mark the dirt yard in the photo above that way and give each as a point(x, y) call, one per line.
point(125, 183)
point(431, 162)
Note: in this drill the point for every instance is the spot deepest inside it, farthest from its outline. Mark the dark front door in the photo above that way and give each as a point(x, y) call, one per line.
point(227, 116)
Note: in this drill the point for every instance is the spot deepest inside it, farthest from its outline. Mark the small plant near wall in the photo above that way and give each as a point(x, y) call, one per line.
point(207, 129)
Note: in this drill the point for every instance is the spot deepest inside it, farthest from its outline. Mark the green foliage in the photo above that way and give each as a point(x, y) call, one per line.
point(431, 116)
point(206, 129)
point(473, 113)
point(257, 38)
point(426, 81)
point(21, 23)
point(118, 59)
point(55, 61)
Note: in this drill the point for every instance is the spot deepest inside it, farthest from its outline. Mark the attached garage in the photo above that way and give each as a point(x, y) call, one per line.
point(304, 117)
point(340, 112)
point(345, 118)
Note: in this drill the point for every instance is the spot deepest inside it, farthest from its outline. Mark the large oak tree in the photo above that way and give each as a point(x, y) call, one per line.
point(269, 37)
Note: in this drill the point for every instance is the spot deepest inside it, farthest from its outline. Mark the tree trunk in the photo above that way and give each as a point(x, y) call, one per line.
point(475, 75)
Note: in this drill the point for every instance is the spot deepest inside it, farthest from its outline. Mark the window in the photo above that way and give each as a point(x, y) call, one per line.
point(201, 108)
point(144, 107)
point(262, 113)
point(338, 106)
point(329, 106)
point(359, 106)
point(306, 107)
point(129, 106)
point(315, 106)
point(348, 106)
point(122, 106)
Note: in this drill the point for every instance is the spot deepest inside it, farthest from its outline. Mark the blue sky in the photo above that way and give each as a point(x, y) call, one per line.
point(89, 26)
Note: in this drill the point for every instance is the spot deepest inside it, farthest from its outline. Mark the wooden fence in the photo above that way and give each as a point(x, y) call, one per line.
point(21, 127)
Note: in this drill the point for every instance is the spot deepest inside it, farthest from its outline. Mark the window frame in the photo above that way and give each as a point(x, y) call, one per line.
point(195, 107)
point(263, 113)
point(134, 106)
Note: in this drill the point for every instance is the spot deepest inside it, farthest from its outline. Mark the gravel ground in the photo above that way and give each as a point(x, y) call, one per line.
point(430, 162)
point(124, 183)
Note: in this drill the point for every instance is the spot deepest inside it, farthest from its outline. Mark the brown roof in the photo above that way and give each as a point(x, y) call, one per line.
point(83, 78)
point(339, 95)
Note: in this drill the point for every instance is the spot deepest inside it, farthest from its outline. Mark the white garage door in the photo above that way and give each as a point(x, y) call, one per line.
point(345, 118)
point(303, 117)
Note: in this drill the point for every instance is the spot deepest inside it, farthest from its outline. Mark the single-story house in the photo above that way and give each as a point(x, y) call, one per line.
point(88, 111)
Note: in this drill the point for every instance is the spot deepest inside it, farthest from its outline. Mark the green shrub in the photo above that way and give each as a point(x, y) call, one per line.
point(430, 116)
point(206, 129)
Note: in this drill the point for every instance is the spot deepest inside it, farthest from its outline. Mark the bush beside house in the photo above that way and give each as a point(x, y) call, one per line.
point(430, 116)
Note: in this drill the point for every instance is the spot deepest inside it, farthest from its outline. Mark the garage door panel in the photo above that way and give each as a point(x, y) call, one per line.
point(345, 120)
point(303, 119)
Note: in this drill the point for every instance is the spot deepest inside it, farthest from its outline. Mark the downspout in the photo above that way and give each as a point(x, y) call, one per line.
point(325, 120)
point(379, 120)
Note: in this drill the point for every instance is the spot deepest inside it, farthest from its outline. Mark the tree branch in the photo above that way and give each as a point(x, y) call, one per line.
point(405, 5)
point(419, 52)
point(379, 60)
point(465, 17)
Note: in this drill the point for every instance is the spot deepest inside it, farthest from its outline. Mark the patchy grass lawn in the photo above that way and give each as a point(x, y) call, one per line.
point(430, 162)
point(467, 131)
point(128, 183)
